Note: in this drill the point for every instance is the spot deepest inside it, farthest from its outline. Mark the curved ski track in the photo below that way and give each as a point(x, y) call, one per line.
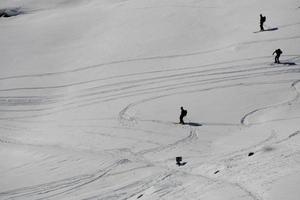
point(288, 102)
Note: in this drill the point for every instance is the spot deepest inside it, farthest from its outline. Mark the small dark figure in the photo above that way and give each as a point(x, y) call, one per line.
point(262, 21)
point(278, 52)
point(251, 154)
point(182, 115)
point(178, 160)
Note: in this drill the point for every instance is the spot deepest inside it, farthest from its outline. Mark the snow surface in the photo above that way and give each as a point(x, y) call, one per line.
point(90, 93)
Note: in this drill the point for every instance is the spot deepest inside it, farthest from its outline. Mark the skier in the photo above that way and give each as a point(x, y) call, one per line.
point(278, 52)
point(178, 160)
point(262, 21)
point(182, 115)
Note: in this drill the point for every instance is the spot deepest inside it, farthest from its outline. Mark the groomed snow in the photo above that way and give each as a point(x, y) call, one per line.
point(91, 90)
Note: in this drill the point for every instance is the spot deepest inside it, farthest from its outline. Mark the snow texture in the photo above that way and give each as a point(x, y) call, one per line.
point(91, 90)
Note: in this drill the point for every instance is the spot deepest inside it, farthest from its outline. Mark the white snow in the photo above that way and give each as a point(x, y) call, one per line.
point(91, 90)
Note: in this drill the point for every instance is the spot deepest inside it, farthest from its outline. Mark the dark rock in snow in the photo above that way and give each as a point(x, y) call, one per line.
point(251, 154)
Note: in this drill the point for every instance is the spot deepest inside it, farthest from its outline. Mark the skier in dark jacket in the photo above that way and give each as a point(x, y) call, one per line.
point(278, 52)
point(262, 21)
point(182, 115)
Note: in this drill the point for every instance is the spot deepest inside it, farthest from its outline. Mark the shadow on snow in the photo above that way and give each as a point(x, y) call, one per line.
point(269, 29)
point(192, 124)
point(287, 63)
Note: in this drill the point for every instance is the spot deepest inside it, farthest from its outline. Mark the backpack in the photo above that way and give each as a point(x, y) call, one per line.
point(279, 51)
point(184, 113)
point(264, 18)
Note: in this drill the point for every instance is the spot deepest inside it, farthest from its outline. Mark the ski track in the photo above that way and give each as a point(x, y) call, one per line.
point(93, 100)
point(55, 99)
point(57, 188)
point(183, 69)
point(192, 137)
point(151, 58)
point(288, 102)
point(135, 83)
point(123, 116)
point(142, 92)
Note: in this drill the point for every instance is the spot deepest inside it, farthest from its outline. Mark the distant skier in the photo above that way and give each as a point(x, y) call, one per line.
point(278, 52)
point(262, 21)
point(178, 161)
point(182, 115)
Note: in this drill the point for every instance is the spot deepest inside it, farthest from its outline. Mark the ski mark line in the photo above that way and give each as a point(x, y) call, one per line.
point(297, 133)
point(193, 136)
point(15, 101)
point(123, 116)
point(33, 100)
point(140, 92)
point(59, 187)
point(107, 100)
point(181, 74)
point(242, 152)
point(177, 69)
point(73, 105)
point(168, 87)
point(295, 98)
point(29, 101)
point(134, 188)
point(51, 99)
point(43, 100)
point(105, 64)
point(151, 72)
point(214, 182)
point(151, 58)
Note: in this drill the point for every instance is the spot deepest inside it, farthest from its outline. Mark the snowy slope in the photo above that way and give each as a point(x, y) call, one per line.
point(90, 93)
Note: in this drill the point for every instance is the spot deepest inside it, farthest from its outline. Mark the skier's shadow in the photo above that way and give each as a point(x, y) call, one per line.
point(193, 124)
point(271, 29)
point(287, 63)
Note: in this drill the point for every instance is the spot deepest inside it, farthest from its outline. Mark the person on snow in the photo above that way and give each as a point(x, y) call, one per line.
point(178, 160)
point(182, 115)
point(262, 21)
point(278, 52)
